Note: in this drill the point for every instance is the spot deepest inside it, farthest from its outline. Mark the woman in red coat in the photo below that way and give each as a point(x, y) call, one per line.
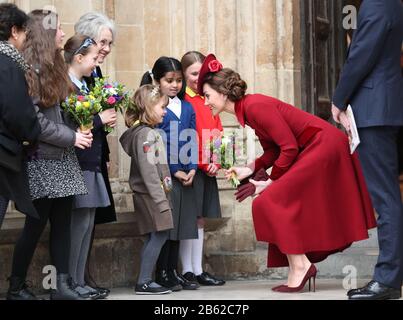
point(315, 201)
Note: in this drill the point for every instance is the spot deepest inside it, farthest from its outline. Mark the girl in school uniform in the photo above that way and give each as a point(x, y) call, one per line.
point(205, 182)
point(81, 55)
point(179, 127)
point(150, 180)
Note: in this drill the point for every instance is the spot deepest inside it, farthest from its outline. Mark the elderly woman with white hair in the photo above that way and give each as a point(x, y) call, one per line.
point(100, 28)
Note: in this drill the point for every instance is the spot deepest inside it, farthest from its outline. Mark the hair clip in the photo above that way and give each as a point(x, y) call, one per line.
point(154, 92)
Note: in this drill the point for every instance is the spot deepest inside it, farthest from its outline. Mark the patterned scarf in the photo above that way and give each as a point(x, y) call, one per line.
point(9, 50)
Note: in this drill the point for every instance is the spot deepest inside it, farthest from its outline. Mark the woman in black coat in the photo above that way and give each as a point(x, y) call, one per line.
point(19, 127)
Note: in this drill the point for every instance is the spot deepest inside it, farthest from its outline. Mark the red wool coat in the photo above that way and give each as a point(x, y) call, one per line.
point(318, 203)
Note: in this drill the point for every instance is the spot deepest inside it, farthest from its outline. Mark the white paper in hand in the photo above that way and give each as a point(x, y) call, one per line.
point(354, 138)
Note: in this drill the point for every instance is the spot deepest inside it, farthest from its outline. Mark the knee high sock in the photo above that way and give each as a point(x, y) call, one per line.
point(185, 254)
point(173, 255)
point(197, 253)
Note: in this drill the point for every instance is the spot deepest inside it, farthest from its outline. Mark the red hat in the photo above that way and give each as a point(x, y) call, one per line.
point(210, 64)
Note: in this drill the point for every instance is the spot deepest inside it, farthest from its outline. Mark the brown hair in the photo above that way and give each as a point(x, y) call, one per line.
point(48, 76)
point(190, 58)
point(143, 101)
point(227, 82)
point(73, 44)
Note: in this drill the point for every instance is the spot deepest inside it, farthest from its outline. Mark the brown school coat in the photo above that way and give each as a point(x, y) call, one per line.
point(149, 174)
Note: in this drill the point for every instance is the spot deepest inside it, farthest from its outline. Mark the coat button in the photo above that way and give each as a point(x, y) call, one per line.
point(25, 143)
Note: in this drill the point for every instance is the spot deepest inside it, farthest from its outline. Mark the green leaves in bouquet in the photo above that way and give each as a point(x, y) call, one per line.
point(82, 108)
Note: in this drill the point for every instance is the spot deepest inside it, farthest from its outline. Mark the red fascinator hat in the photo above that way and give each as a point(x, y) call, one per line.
point(210, 65)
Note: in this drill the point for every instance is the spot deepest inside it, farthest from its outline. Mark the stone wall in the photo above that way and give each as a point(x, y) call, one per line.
point(258, 38)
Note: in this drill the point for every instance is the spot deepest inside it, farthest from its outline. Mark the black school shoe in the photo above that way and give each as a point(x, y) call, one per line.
point(145, 289)
point(206, 279)
point(163, 279)
point(185, 283)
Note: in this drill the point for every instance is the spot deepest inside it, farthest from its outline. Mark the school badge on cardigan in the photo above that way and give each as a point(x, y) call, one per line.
point(166, 184)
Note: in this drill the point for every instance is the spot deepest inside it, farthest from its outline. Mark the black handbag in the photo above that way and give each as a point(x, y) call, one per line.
point(10, 154)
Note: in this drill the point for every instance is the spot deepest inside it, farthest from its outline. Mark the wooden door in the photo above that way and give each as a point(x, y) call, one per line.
point(323, 44)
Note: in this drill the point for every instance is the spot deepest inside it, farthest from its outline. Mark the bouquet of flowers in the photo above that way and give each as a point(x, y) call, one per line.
point(111, 95)
point(223, 150)
point(82, 109)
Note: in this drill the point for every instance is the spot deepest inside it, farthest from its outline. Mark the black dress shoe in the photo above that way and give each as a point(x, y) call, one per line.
point(207, 279)
point(20, 290)
point(190, 276)
point(103, 292)
point(150, 288)
point(162, 278)
point(185, 283)
point(375, 291)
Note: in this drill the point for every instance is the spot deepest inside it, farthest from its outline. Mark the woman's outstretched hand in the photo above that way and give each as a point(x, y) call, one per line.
point(260, 185)
point(241, 173)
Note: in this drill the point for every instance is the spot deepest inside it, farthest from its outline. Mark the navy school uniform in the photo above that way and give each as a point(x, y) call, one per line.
point(182, 151)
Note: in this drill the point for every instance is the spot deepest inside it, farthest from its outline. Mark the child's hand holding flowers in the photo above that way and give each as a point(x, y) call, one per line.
point(82, 109)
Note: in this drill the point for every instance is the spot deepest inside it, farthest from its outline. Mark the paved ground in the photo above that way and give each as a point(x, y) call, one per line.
point(243, 290)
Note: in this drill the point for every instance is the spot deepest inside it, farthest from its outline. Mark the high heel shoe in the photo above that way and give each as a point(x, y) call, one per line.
point(278, 287)
point(310, 274)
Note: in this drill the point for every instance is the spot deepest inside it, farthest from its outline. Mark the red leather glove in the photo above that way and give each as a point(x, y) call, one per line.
point(246, 188)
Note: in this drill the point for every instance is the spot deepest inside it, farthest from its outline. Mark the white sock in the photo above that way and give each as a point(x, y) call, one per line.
point(197, 253)
point(185, 254)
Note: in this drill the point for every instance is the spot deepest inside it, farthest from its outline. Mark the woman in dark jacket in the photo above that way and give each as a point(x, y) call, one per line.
point(19, 126)
point(54, 174)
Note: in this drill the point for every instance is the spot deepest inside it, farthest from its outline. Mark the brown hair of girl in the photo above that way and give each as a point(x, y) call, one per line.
point(191, 57)
point(48, 77)
point(143, 101)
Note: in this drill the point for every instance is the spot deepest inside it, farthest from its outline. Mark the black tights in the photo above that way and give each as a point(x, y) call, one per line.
point(169, 255)
point(58, 212)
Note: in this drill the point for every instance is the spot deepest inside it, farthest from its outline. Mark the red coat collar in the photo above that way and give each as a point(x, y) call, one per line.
point(240, 111)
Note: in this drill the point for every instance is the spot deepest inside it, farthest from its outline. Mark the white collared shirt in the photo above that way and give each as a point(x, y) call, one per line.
point(175, 105)
point(82, 85)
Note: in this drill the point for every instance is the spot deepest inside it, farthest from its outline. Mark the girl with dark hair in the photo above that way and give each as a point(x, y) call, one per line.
point(315, 201)
point(205, 182)
point(54, 173)
point(19, 126)
point(179, 126)
point(81, 55)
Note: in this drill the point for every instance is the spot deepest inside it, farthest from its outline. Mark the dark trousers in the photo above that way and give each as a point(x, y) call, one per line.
point(3, 208)
point(378, 156)
point(58, 212)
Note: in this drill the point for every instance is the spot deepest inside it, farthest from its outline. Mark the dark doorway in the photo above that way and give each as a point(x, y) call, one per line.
point(323, 47)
